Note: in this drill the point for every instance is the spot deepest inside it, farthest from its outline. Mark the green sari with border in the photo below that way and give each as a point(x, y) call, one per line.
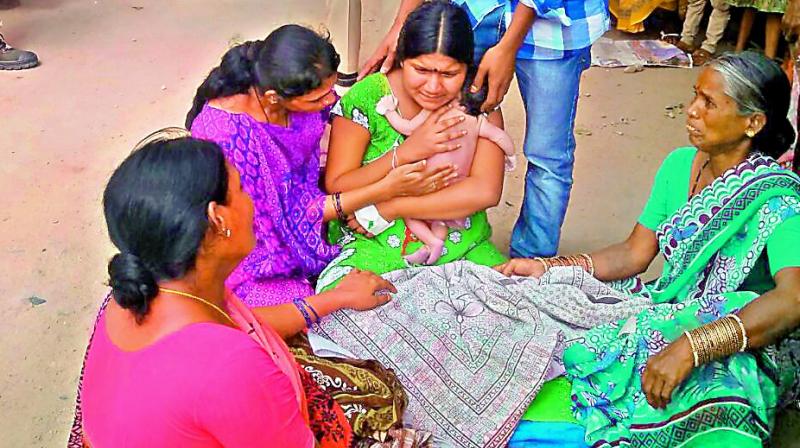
point(384, 253)
point(711, 245)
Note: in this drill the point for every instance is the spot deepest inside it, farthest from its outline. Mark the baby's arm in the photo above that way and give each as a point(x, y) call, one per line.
point(500, 138)
point(387, 106)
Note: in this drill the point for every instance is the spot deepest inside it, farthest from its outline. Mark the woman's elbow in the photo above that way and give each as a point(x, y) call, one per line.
point(490, 197)
point(331, 184)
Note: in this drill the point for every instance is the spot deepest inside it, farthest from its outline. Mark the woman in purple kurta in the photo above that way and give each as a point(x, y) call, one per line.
point(267, 106)
point(279, 168)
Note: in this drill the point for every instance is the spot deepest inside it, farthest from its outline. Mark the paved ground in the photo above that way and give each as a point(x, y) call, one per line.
point(115, 70)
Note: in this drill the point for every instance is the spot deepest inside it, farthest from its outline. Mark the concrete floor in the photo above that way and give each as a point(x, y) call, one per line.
point(114, 71)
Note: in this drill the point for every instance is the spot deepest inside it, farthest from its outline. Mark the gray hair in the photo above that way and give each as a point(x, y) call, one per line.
point(737, 86)
point(759, 85)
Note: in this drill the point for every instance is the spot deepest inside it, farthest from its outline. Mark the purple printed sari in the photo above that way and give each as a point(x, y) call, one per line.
point(279, 168)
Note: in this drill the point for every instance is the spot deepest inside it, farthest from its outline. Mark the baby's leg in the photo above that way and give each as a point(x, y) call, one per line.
point(424, 234)
point(439, 230)
point(456, 224)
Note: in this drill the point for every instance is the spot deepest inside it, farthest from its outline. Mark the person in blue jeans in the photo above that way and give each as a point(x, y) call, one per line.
point(548, 42)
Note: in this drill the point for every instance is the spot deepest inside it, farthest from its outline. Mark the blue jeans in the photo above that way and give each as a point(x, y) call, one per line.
point(550, 91)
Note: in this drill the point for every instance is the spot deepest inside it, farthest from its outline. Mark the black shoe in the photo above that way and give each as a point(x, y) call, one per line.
point(14, 59)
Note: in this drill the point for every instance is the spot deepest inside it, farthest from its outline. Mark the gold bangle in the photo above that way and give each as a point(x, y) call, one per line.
point(708, 339)
point(732, 337)
point(744, 332)
point(694, 350)
point(703, 341)
point(739, 335)
point(736, 346)
point(716, 340)
point(700, 345)
point(589, 262)
point(724, 338)
point(544, 262)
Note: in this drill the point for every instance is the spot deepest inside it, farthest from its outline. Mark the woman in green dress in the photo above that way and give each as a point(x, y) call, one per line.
point(718, 353)
point(435, 54)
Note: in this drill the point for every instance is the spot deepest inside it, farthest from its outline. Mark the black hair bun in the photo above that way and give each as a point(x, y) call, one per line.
point(133, 285)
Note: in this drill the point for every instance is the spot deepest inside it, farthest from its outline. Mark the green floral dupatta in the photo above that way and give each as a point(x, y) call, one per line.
point(710, 245)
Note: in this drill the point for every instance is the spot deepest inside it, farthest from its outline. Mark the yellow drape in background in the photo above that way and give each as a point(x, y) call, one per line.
point(630, 14)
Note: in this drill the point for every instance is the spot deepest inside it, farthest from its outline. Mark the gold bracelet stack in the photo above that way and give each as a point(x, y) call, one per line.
point(744, 332)
point(694, 348)
point(544, 262)
point(582, 260)
point(718, 339)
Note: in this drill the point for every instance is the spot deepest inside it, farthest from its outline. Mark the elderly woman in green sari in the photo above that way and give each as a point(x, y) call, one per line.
point(718, 352)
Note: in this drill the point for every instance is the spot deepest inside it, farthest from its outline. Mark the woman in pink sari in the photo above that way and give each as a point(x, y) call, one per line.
point(175, 359)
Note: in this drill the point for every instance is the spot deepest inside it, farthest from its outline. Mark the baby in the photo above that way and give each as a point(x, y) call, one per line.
point(433, 233)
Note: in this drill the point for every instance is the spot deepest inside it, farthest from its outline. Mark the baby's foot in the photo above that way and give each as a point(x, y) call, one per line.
point(419, 256)
point(436, 253)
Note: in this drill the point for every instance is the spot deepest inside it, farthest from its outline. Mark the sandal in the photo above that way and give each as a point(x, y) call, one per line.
point(675, 39)
point(686, 48)
point(700, 57)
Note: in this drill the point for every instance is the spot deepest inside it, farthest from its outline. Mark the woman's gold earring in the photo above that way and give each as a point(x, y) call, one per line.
point(750, 133)
point(226, 233)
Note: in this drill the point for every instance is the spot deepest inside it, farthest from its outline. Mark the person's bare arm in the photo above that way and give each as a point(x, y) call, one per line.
point(480, 190)
point(349, 142)
point(616, 262)
point(776, 313)
point(497, 135)
point(628, 258)
point(383, 56)
point(400, 124)
point(343, 171)
point(791, 22)
point(287, 320)
point(498, 63)
point(766, 319)
point(408, 179)
point(403, 126)
point(357, 291)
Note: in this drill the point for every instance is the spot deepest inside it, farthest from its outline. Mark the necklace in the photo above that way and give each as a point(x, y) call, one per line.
point(191, 296)
point(697, 179)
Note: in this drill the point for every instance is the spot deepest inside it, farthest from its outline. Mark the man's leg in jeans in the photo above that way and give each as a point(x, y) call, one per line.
point(550, 93)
